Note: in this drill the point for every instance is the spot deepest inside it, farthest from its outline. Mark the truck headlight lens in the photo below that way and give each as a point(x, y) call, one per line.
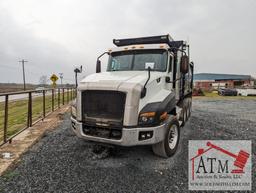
point(147, 118)
point(151, 118)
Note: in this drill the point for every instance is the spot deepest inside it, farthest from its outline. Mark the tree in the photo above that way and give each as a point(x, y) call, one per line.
point(43, 80)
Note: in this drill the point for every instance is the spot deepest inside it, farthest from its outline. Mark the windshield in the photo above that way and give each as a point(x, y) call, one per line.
point(138, 60)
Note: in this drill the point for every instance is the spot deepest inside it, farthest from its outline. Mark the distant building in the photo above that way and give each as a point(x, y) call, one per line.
point(210, 81)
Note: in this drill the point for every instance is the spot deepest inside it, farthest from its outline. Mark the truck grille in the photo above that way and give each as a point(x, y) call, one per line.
point(106, 106)
point(102, 132)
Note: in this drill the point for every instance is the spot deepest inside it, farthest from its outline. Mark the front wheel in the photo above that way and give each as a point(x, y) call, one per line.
point(169, 145)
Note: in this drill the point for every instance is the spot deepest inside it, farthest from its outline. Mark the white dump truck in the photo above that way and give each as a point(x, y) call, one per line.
point(143, 98)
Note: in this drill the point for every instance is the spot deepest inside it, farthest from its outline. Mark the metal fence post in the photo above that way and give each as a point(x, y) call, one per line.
point(67, 95)
point(58, 97)
point(31, 112)
point(52, 99)
point(6, 118)
point(63, 96)
point(43, 103)
point(29, 122)
point(28, 112)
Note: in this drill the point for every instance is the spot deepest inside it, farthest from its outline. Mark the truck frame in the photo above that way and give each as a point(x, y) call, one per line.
point(143, 98)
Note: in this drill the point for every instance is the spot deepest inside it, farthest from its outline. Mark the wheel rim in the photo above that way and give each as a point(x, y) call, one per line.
point(173, 136)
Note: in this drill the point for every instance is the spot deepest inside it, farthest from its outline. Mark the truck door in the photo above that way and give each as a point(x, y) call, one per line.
point(169, 83)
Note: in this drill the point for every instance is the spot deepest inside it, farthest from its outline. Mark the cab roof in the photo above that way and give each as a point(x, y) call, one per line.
point(162, 39)
point(140, 47)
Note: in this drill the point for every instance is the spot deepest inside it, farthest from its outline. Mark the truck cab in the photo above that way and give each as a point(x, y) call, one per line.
point(143, 98)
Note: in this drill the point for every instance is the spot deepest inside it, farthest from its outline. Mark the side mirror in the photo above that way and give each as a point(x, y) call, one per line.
point(98, 66)
point(144, 90)
point(184, 64)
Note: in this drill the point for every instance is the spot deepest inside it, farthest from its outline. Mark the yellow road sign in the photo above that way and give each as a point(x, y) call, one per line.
point(54, 78)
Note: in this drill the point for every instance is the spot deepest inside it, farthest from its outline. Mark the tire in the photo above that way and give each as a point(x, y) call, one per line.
point(169, 145)
point(188, 111)
point(189, 108)
point(184, 116)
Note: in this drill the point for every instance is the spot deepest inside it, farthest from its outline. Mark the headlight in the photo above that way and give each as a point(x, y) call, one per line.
point(151, 118)
point(73, 109)
point(147, 118)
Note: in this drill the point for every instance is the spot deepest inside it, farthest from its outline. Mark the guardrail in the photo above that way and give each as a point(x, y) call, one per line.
point(21, 110)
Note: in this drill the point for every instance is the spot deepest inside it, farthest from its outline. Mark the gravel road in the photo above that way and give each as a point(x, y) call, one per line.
point(61, 162)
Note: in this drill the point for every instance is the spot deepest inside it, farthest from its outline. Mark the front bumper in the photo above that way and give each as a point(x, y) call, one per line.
point(130, 136)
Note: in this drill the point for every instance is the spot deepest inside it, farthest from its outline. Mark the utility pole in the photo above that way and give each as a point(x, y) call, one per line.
point(23, 69)
point(77, 70)
point(61, 77)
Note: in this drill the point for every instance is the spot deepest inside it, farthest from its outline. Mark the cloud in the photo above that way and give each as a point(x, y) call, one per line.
point(56, 35)
point(44, 56)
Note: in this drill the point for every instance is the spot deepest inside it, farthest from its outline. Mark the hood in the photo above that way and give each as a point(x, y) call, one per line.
point(136, 77)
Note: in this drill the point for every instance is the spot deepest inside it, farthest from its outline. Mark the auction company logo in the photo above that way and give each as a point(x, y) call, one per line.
point(219, 165)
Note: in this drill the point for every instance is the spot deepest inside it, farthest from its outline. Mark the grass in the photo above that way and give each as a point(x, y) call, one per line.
point(17, 112)
point(9, 175)
point(13, 87)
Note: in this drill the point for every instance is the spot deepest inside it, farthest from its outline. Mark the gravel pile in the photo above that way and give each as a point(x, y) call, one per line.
point(61, 162)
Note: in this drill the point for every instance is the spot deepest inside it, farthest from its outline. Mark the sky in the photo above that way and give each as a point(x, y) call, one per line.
point(55, 36)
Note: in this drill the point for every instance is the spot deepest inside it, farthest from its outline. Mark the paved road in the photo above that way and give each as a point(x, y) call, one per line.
point(22, 96)
point(14, 97)
point(25, 96)
point(61, 162)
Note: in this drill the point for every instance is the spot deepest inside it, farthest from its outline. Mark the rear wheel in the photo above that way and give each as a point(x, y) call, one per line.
point(184, 116)
point(169, 145)
point(189, 109)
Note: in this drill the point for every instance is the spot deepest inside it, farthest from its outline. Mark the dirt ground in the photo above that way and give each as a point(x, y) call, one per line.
point(61, 162)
